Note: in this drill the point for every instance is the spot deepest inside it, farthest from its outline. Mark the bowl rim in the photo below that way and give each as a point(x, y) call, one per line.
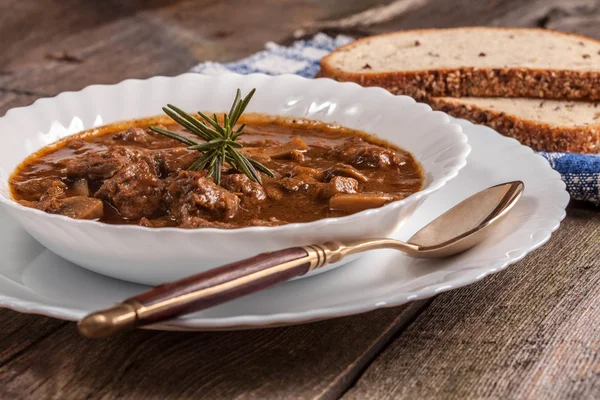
point(411, 199)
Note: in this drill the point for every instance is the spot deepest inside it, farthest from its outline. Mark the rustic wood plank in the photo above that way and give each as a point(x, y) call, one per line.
point(318, 360)
point(584, 25)
point(10, 99)
point(104, 42)
point(418, 14)
point(530, 332)
point(30, 329)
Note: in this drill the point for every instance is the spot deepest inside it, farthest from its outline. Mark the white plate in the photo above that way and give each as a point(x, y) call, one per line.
point(34, 280)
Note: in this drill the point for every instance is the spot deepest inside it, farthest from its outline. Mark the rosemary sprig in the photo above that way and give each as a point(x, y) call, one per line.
point(220, 144)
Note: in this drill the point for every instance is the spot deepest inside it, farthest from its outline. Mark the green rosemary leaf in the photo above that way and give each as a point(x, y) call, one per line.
point(242, 107)
point(192, 120)
point(187, 125)
point(217, 170)
point(226, 125)
point(214, 123)
point(238, 97)
point(210, 133)
point(236, 111)
point(220, 146)
point(242, 165)
point(173, 135)
point(201, 162)
point(261, 167)
point(204, 146)
point(255, 174)
point(239, 132)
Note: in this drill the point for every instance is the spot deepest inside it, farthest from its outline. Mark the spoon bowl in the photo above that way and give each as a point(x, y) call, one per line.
point(467, 223)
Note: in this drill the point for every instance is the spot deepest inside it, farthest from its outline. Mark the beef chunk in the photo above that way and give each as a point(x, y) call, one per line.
point(292, 184)
point(106, 165)
point(56, 190)
point(359, 153)
point(134, 135)
point(249, 191)
point(176, 159)
point(135, 191)
point(191, 194)
point(339, 184)
point(274, 192)
point(33, 189)
point(135, 155)
point(297, 156)
point(95, 167)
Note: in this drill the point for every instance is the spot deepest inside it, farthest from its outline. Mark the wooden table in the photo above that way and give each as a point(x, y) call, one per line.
point(532, 331)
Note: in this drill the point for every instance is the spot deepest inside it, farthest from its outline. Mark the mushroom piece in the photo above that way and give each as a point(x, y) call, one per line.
point(355, 202)
point(286, 150)
point(308, 174)
point(79, 207)
point(342, 169)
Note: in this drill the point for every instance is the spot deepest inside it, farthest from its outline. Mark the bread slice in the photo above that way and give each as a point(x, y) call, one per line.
point(476, 61)
point(547, 125)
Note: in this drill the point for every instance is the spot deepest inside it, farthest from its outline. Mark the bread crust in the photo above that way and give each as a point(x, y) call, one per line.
point(477, 82)
point(535, 134)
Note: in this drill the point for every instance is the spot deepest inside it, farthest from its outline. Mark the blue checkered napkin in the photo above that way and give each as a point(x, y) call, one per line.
point(580, 172)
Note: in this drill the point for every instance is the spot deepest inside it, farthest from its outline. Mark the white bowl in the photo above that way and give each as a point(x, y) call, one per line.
point(156, 255)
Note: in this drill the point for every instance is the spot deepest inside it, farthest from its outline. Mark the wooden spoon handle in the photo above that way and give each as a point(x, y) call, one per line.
point(200, 291)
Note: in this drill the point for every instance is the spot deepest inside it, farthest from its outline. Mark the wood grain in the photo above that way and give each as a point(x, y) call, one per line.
point(114, 40)
point(530, 332)
point(10, 99)
point(417, 14)
point(316, 360)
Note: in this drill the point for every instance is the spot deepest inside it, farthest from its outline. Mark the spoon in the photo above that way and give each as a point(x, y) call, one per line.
point(457, 230)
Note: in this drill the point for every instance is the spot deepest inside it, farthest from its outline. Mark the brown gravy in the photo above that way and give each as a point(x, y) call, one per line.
point(125, 174)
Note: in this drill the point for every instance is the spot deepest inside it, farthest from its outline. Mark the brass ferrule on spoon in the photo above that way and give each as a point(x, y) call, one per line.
point(458, 229)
